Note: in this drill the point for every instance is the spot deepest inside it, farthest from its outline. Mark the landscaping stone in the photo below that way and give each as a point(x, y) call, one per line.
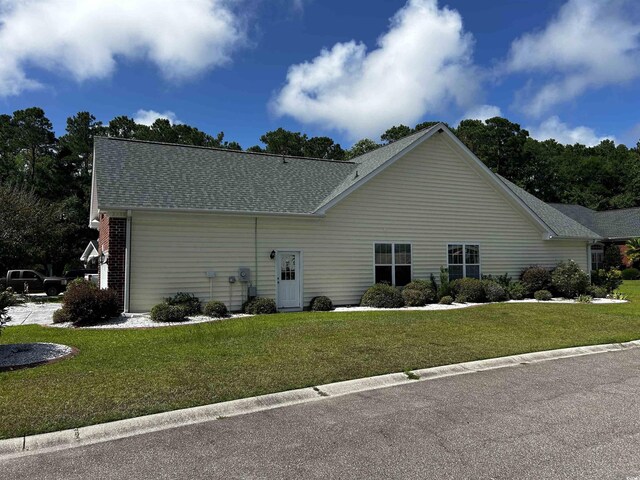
point(21, 355)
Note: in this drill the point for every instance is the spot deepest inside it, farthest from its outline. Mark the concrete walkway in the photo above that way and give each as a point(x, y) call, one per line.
point(568, 418)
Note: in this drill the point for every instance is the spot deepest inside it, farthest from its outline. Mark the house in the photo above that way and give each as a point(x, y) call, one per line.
point(226, 224)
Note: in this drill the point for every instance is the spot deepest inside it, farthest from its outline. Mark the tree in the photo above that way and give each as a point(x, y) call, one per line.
point(7, 148)
point(395, 133)
point(323, 147)
point(33, 136)
point(632, 251)
point(78, 141)
point(360, 148)
point(284, 142)
point(122, 127)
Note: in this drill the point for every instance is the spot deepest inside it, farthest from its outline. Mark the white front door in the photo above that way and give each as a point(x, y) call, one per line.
point(288, 278)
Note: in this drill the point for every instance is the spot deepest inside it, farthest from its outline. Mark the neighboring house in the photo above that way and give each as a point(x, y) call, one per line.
point(90, 255)
point(614, 226)
point(181, 218)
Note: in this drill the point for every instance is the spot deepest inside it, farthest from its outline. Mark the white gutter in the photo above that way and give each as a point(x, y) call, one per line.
point(209, 211)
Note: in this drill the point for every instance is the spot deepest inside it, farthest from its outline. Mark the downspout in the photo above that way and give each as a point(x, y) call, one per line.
point(127, 263)
point(255, 249)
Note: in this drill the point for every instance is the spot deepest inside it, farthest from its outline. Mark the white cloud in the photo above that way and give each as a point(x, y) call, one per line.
point(86, 38)
point(421, 65)
point(589, 44)
point(147, 117)
point(562, 133)
point(482, 112)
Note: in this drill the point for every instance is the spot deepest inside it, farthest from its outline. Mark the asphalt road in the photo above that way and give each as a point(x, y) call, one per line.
point(570, 418)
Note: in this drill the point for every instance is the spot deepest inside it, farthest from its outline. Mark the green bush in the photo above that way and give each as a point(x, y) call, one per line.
point(543, 295)
point(424, 286)
point(568, 280)
point(446, 300)
point(494, 292)
point(630, 274)
point(85, 304)
point(598, 292)
point(382, 295)
point(536, 278)
point(517, 291)
point(444, 289)
point(187, 301)
point(321, 304)
point(414, 298)
point(60, 316)
point(612, 257)
point(610, 280)
point(215, 309)
point(164, 312)
point(460, 298)
point(584, 299)
point(7, 299)
point(469, 288)
point(261, 306)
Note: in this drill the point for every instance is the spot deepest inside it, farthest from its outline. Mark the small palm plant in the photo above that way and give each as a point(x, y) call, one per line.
point(633, 249)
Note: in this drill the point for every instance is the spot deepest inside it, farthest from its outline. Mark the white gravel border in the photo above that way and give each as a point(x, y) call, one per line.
point(143, 320)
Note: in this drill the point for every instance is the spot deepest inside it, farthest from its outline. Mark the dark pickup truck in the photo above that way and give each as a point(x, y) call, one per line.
point(34, 282)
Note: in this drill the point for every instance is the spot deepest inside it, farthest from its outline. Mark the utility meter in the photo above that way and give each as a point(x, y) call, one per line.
point(244, 274)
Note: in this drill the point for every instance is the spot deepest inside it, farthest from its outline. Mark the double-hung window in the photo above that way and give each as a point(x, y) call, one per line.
point(597, 257)
point(392, 263)
point(463, 260)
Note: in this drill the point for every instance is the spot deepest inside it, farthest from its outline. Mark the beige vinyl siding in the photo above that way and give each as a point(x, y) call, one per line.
point(431, 197)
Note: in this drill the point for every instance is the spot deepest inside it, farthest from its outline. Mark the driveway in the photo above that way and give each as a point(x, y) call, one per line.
point(570, 418)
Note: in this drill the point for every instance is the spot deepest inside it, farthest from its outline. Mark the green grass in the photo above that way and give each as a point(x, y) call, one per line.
point(126, 373)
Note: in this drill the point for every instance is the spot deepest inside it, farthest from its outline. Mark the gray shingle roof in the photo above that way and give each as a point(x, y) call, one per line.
point(559, 223)
point(134, 174)
point(623, 223)
point(138, 174)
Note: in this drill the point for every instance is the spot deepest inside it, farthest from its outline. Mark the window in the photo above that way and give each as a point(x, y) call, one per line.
point(393, 263)
point(463, 260)
point(29, 275)
point(597, 257)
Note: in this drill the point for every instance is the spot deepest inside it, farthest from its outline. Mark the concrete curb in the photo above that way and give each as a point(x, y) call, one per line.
point(19, 446)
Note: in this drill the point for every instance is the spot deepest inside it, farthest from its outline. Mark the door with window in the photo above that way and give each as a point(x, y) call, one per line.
point(289, 280)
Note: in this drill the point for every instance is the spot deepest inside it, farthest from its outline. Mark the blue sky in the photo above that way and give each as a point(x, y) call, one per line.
point(563, 68)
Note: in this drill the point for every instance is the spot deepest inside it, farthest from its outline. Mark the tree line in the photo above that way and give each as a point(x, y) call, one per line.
point(45, 180)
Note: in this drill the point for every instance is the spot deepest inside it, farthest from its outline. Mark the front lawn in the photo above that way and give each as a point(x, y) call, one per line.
point(126, 373)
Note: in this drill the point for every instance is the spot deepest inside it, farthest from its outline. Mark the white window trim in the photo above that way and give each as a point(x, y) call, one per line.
point(393, 259)
point(464, 257)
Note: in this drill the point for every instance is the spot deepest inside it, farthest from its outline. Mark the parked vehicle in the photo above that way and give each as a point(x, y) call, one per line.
point(79, 273)
point(34, 282)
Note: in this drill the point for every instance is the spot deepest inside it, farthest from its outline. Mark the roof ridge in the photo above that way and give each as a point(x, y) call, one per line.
point(221, 149)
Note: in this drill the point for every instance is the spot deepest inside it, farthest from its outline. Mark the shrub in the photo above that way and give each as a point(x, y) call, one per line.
point(517, 291)
point(460, 298)
point(414, 298)
point(536, 278)
point(612, 258)
point(382, 295)
point(85, 304)
point(425, 287)
point(261, 306)
point(164, 312)
point(610, 280)
point(446, 300)
point(543, 295)
point(617, 295)
point(187, 301)
point(494, 292)
point(503, 280)
point(321, 304)
point(7, 299)
point(469, 288)
point(444, 289)
point(568, 280)
point(630, 274)
point(215, 309)
point(598, 292)
point(584, 299)
point(60, 316)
